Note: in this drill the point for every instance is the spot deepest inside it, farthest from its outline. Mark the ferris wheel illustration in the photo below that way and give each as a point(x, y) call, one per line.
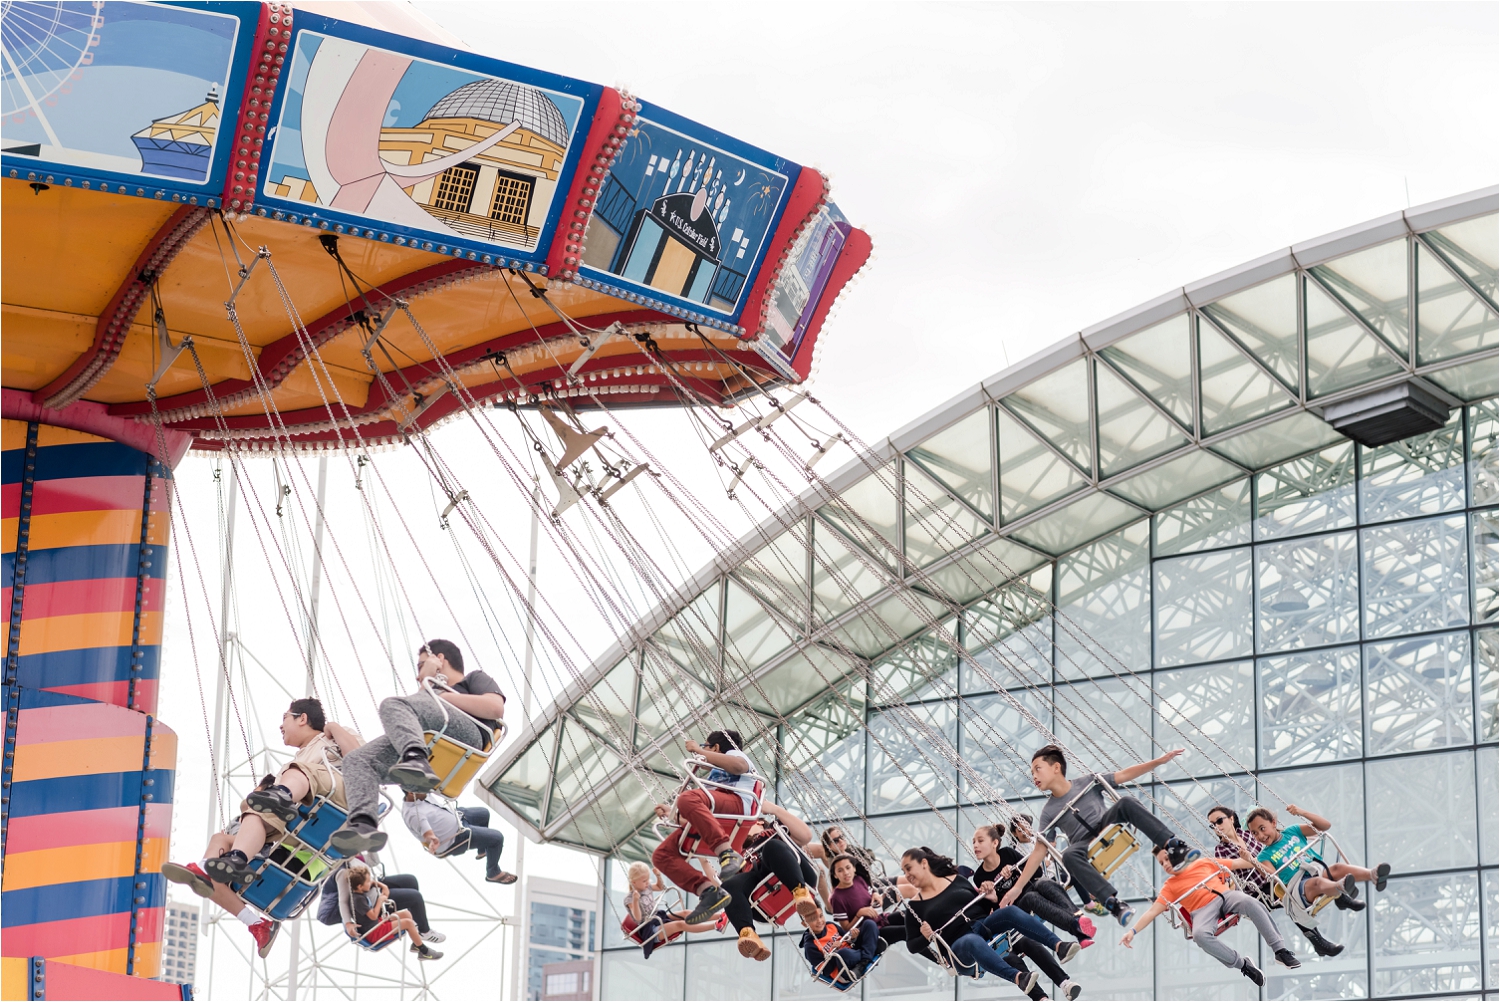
point(42, 45)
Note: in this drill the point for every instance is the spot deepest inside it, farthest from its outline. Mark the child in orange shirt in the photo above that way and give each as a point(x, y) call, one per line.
point(1198, 888)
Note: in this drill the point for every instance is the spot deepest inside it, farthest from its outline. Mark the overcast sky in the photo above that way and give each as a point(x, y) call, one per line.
point(1025, 171)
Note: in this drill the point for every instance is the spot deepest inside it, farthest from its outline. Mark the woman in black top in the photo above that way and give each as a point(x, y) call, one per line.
point(948, 908)
point(998, 867)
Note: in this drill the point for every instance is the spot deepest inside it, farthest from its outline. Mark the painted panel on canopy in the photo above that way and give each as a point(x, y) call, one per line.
point(362, 112)
point(125, 91)
point(686, 215)
point(801, 284)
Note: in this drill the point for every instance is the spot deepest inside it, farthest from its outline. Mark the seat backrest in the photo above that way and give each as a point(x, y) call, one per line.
point(773, 899)
point(454, 762)
point(1111, 848)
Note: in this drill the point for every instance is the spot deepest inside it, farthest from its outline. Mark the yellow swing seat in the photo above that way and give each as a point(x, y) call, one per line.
point(455, 762)
point(1111, 848)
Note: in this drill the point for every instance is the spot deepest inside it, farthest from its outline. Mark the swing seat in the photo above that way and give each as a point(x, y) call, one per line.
point(1005, 941)
point(773, 900)
point(459, 845)
point(1111, 848)
point(278, 892)
point(690, 843)
point(316, 825)
point(838, 975)
point(380, 935)
point(693, 766)
point(1223, 925)
point(634, 931)
point(1290, 897)
point(455, 762)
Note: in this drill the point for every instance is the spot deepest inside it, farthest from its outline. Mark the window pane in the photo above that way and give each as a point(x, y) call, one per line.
point(1108, 974)
point(1372, 283)
point(1208, 706)
point(1469, 381)
point(901, 975)
point(1218, 518)
point(1489, 816)
point(1416, 576)
point(998, 742)
point(1340, 352)
point(1422, 811)
point(1307, 592)
point(910, 757)
point(1264, 320)
point(1451, 320)
point(752, 636)
point(936, 524)
point(799, 678)
point(1056, 406)
point(961, 457)
point(1419, 694)
point(1183, 971)
point(1176, 479)
point(1421, 475)
point(979, 570)
point(1344, 976)
point(1309, 494)
point(1131, 431)
point(625, 974)
point(923, 668)
point(1106, 721)
point(1009, 636)
point(715, 970)
point(1484, 457)
point(1473, 248)
point(1270, 443)
point(1427, 935)
point(891, 836)
point(823, 771)
point(1077, 523)
point(1203, 608)
point(1031, 475)
point(841, 578)
point(868, 513)
point(1337, 792)
point(1158, 360)
point(1233, 389)
point(1310, 708)
point(778, 571)
point(1488, 684)
point(609, 707)
point(1103, 606)
point(1485, 526)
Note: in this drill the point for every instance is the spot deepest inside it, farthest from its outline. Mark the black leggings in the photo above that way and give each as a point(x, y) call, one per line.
point(1048, 901)
point(1043, 956)
point(775, 856)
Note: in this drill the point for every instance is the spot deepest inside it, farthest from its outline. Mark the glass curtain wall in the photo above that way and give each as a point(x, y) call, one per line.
point(1328, 622)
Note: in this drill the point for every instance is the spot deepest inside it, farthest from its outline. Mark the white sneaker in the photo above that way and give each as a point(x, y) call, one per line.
point(1070, 989)
point(433, 936)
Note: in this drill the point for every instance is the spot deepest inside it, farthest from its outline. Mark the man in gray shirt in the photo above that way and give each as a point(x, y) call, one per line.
point(1078, 809)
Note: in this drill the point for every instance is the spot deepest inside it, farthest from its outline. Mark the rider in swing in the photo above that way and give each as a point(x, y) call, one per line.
point(1078, 810)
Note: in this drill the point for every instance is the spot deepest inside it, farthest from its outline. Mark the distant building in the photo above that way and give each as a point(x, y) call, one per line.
point(179, 944)
point(561, 929)
point(568, 981)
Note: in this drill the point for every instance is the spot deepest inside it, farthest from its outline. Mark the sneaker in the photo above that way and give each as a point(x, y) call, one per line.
point(413, 774)
point(1070, 989)
point(1351, 888)
point(276, 801)
point(1286, 958)
point(1087, 927)
point(231, 868)
point(1066, 951)
point(1252, 972)
point(1122, 912)
point(358, 835)
point(1084, 944)
point(722, 922)
point(425, 952)
point(1382, 874)
point(433, 936)
point(192, 875)
point(264, 932)
point(807, 908)
point(1096, 908)
point(750, 946)
point(730, 863)
point(1347, 904)
point(710, 903)
point(1026, 981)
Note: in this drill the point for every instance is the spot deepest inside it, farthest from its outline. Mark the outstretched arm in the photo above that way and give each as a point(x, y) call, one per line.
point(1141, 923)
point(1130, 772)
point(1319, 822)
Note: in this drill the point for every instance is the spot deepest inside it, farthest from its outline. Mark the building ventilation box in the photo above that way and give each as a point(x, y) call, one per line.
point(1388, 415)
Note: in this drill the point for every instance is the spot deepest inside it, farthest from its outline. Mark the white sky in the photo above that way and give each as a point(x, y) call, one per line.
point(1025, 171)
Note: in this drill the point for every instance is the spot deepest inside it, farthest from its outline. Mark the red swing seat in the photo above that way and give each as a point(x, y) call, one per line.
point(632, 930)
point(773, 900)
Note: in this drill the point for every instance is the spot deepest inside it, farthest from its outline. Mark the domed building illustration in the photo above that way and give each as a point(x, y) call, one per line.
point(502, 193)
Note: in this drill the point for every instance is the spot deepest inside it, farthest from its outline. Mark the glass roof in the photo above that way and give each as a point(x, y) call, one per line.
point(1152, 428)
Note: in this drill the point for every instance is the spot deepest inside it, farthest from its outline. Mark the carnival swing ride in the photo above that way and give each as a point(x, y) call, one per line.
point(341, 239)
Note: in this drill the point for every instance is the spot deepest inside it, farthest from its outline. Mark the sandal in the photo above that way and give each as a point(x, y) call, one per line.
point(503, 878)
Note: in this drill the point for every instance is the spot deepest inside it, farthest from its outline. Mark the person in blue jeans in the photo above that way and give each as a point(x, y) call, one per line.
point(948, 908)
point(437, 827)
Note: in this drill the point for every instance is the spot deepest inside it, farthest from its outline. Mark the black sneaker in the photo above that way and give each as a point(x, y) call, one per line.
point(729, 863)
point(425, 952)
point(1286, 958)
point(1347, 904)
point(1382, 874)
point(710, 903)
point(1066, 950)
point(1252, 972)
point(413, 774)
point(231, 868)
point(1351, 888)
point(358, 835)
point(1026, 981)
point(276, 801)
